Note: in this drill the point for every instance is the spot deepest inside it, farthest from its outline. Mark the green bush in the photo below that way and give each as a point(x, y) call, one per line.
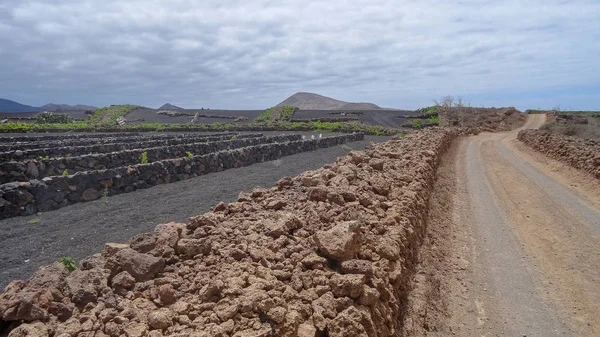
point(417, 123)
point(435, 120)
point(287, 112)
point(430, 110)
point(296, 126)
point(108, 116)
point(53, 118)
point(68, 262)
point(144, 157)
point(65, 173)
point(189, 154)
point(265, 116)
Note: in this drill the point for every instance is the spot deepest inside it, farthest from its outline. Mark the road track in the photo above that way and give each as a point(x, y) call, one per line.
point(528, 232)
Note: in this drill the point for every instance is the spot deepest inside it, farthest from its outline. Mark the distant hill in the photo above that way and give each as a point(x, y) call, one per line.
point(169, 106)
point(12, 106)
point(66, 107)
point(15, 107)
point(310, 101)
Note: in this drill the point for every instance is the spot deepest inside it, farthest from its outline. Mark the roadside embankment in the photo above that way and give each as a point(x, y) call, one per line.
point(582, 154)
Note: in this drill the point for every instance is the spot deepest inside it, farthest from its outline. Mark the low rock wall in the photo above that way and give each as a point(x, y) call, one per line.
point(328, 253)
point(327, 119)
point(582, 154)
point(37, 169)
point(104, 140)
point(26, 198)
point(63, 136)
point(71, 151)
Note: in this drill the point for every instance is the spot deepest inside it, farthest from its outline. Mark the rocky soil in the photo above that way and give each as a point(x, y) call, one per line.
point(330, 252)
point(583, 154)
point(485, 119)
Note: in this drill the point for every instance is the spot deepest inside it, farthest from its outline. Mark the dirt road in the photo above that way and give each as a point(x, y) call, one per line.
point(525, 251)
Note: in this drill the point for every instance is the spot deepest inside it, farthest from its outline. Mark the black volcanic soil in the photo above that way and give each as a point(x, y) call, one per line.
point(151, 116)
point(82, 229)
point(387, 118)
point(77, 114)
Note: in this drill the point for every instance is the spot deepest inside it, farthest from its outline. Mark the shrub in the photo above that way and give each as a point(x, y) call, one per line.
point(295, 126)
point(65, 173)
point(430, 110)
point(417, 123)
point(189, 154)
point(53, 118)
point(287, 113)
point(109, 115)
point(68, 262)
point(570, 130)
point(144, 157)
point(434, 120)
point(451, 102)
point(265, 116)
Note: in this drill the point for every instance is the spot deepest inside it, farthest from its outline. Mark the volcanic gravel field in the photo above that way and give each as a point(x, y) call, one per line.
point(386, 118)
point(151, 116)
point(82, 229)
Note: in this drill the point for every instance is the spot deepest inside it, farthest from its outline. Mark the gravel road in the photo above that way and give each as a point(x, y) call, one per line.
point(533, 257)
point(82, 229)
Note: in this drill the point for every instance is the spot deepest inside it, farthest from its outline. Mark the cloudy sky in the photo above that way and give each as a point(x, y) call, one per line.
point(253, 54)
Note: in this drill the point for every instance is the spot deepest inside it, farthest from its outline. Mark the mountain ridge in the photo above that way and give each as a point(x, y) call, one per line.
point(312, 101)
point(66, 107)
point(169, 106)
point(9, 106)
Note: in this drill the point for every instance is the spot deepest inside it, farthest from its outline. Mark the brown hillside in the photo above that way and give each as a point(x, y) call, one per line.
point(310, 101)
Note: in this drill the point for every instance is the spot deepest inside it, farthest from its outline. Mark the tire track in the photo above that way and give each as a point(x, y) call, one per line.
point(535, 263)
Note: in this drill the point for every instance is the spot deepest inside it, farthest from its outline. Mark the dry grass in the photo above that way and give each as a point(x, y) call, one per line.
point(575, 130)
point(492, 119)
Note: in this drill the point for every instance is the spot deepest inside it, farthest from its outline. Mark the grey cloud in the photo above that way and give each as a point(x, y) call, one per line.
point(240, 54)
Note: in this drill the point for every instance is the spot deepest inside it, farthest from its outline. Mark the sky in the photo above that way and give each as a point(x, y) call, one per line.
point(234, 54)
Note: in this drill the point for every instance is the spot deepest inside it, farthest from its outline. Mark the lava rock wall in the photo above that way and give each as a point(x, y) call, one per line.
point(26, 198)
point(37, 169)
point(117, 145)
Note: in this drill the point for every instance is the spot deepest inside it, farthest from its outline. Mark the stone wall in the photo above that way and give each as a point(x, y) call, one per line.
point(37, 169)
point(327, 119)
point(328, 253)
point(582, 154)
point(25, 198)
point(284, 127)
point(70, 151)
point(63, 136)
point(76, 147)
point(103, 140)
